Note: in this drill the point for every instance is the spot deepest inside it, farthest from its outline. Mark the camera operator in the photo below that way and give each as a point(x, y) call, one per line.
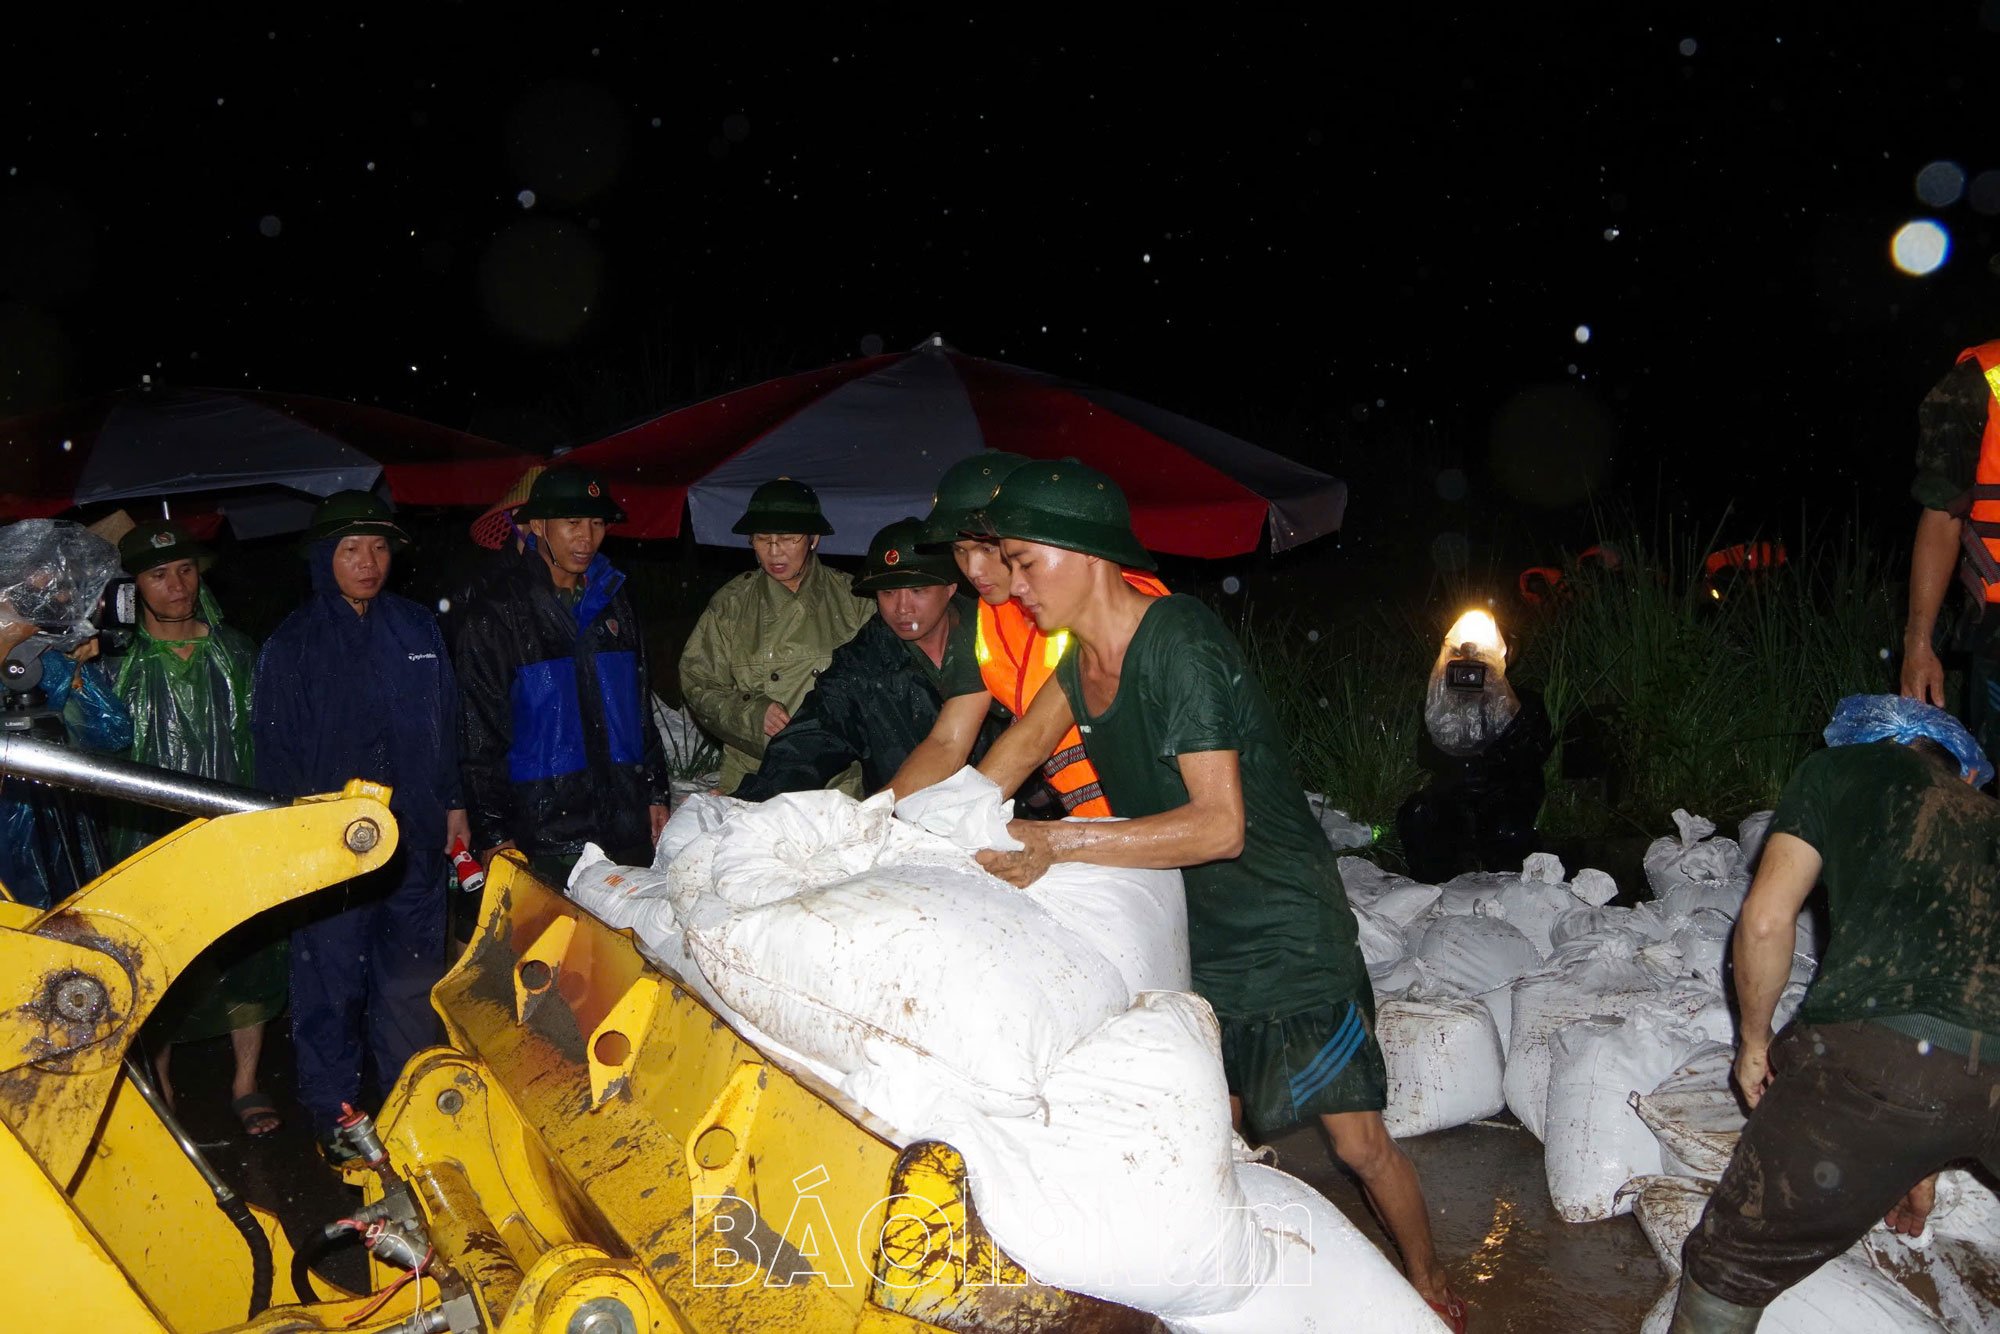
point(52, 574)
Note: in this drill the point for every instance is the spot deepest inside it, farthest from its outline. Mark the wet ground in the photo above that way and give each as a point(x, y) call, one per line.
point(1518, 1264)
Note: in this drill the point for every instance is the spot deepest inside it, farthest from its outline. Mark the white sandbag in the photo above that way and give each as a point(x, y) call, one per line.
point(1667, 1207)
point(1593, 887)
point(1953, 1267)
point(1584, 920)
point(1595, 1141)
point(1396, 897)
point(1847, 1295)
point(1385, 949)
point(1135, 918)
point(1751, 832)
point(1703, 941)
point(966, 809)
point(1693, 859)
point(1327, 1276)
point(1462, 895)
point(1599, 974)
point(1444, 1063)
point(1694, 1113)
point(614, 894)
point(1474, 954)
point(952, 964)
point(798, 841)
point(1125, 1186)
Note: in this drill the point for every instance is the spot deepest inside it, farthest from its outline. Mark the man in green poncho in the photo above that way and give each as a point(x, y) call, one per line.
point(187, 683)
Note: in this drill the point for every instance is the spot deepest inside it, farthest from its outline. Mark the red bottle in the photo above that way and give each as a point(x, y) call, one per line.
point(466, 867)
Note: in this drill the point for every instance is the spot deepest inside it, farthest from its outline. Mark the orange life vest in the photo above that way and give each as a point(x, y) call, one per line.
point(1981, 534)
point(1015, 659)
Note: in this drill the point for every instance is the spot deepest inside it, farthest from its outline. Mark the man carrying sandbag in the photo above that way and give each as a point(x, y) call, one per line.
point(1884, 1077)
point(1187, 747)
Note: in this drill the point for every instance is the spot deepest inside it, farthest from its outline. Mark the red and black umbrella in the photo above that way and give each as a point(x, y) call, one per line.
point(873, 435)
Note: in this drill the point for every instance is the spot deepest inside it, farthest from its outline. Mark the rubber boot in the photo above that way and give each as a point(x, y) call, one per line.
point(1699, 1311)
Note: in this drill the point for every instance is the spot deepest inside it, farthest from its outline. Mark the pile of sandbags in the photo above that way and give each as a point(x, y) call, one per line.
point(1047, 1034)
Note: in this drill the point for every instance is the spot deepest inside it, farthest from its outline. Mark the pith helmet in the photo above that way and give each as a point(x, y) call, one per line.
point(964, 490)
point(355, 514)
point(570, 493)
point(161, 543)
point(783, 506)
point(1067, 505)
point(896, 560)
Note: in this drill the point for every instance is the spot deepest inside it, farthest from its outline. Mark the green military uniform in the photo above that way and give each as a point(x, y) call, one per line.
point(758, 643)
point(1273, 944)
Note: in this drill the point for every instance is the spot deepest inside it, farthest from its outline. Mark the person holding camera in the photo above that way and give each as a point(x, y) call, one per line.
point(52, 575)
point(187, 682)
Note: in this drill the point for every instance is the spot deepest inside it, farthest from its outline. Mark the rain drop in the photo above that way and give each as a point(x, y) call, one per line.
point(1923, 1046)
point(269, 224)
point(656, 122)
point(1825, 1175)
point(371, 166)
point(1146, 259)
point(444, 605)
point(1582, 334)
point(871, 345)
point(1232, 585)
point(1689, 46)
point(1312, 636)
point(68, 445)
point(526, 198)
point(1611, 233)
point(1920, 247)
point(1940, 184)
point(1451, 484)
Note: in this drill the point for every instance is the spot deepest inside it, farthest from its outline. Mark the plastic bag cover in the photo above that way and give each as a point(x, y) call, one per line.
point(1863, 718)
point(52, 573)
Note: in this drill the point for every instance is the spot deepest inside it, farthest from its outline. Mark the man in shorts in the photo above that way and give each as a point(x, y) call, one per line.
point(1187, 748)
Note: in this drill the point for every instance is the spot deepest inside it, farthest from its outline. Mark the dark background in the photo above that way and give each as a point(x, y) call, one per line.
point(1365, 241)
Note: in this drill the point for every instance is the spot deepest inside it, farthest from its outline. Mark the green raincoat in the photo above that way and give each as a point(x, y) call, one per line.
point(193, 715)
point(759, 643)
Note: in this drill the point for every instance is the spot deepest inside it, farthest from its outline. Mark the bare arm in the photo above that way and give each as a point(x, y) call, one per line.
point(1765, 931)
point(945, 751)
point(1024, 747)
point(1209, 828)
point(1932, 560)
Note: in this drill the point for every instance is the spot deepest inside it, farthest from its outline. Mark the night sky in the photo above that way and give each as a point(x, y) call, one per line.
point(1376, 244)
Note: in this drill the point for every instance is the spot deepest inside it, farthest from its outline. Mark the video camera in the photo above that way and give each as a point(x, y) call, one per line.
point(60, 587)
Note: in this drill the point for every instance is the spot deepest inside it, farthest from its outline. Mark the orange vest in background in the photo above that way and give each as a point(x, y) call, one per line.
point(1015, 659)
point(1981, 534)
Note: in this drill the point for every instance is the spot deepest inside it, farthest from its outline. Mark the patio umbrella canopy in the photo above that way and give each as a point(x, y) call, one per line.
point(873, 435)
point(262, 459)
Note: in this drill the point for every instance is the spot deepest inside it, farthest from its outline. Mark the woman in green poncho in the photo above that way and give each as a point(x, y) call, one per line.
point(187, 683)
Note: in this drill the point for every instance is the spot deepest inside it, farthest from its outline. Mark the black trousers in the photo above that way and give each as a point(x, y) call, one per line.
point(1856, 1115)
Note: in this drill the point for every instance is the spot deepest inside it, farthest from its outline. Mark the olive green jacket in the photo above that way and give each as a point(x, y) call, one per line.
point(759, 643)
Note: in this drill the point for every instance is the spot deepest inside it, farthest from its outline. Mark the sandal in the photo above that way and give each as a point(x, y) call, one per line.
point(258, 1114)
point(1452, 1311)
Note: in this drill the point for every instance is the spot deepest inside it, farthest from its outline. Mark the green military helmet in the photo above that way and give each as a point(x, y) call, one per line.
point(569, 493)
point(161, 542)
point(355, 514)
point(1067, 505)
point(783, 506)
point(897, 559)
point(963, 491)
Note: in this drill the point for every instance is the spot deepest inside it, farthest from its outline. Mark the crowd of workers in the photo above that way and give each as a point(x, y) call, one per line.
point(532, 731)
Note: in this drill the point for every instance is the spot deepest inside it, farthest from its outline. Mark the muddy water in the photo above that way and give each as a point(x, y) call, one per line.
point(1517, 1264)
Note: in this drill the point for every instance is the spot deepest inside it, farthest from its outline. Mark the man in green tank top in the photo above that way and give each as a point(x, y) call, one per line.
point(1188, 750)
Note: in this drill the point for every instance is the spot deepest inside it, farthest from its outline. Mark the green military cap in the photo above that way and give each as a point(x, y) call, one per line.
point(161, 542)
point(1067, 505)
point(897, 560)
point(569, 493)
point(355, 514)
point(963, 491)
point(783, 506)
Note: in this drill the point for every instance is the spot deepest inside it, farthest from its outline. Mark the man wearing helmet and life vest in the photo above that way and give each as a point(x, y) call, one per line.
point(1000, 655)
point(1958, 484)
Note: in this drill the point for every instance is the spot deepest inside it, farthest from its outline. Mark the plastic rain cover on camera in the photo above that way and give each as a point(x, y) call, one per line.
point(52, 573)
point(1462, 721)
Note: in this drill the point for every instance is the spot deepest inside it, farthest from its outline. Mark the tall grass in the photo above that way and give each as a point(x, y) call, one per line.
point(1688, 698)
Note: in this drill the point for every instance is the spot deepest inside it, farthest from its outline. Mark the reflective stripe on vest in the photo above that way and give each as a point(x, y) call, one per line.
point(1015, 659)
point(1980, 535)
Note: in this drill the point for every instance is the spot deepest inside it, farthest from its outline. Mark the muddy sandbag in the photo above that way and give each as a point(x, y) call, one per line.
point(1327, 1275)
point(1847, 1295)
point(1695, 1114)
point(1595, 1142)
point(1444, 1061)
point(1472, 955)
point(1953, 1267)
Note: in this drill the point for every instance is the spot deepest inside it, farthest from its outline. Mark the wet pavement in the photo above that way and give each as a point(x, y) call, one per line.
point(1518, 1264)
